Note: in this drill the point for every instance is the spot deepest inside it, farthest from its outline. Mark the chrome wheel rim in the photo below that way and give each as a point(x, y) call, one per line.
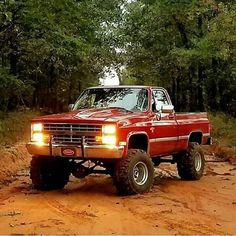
point(140, 173)
point(198, 162)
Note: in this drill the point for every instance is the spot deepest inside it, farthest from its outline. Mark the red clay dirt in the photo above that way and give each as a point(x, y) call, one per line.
point(12, 159)
point(92, 206)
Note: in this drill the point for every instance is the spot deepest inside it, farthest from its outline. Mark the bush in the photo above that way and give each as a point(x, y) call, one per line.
point(12, 90)
point(15, 126)
point(223, 129)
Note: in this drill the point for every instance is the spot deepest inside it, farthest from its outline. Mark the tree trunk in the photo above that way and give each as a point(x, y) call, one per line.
point(173, 88)
point(13, 58)
point(192, 100)
point(200, 88)
point(178, 108)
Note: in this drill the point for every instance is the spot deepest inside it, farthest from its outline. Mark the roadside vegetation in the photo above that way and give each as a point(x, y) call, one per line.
point(14, 133)
point(224, 137)
point(15, 127)
point(224, 129)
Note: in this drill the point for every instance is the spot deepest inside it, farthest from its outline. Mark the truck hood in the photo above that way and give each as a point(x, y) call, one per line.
point(94, 115)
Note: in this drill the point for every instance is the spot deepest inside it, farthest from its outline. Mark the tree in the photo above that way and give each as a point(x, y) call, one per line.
point(174, 44)
point(54, 47)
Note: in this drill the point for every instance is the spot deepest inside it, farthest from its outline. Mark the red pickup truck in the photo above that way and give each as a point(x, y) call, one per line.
point(118, 130)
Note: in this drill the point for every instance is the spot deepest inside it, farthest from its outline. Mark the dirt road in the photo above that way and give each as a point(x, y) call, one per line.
point(91, 206)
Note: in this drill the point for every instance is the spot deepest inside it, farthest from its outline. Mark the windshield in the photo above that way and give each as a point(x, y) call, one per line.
point(130, 99)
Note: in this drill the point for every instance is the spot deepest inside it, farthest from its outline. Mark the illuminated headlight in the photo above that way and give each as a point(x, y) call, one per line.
point(109, 129)
point(37, 127)
point(109, 139)
point(37, 135)
point(109, 134)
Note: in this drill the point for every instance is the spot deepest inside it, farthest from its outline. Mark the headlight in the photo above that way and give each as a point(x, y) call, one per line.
point(37, 135)
point(109, 129)
point(109, 139)
point(37, 127)
point(109, 134)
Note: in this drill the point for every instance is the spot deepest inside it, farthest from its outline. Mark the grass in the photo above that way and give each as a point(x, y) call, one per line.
point(224, 137)
point(15, 126)
point(223, 129)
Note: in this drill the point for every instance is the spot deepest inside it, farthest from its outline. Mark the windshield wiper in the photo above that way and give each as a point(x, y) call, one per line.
point(120, 108)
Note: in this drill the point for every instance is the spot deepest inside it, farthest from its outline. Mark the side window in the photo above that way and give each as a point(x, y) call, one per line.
point(159, 99)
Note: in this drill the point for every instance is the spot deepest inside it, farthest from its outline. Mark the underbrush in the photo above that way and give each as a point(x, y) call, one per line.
point(223, 129)
point(224, 137)
point(15, 126)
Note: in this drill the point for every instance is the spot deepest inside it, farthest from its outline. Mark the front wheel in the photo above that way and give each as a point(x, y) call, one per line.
point(191, 164)
point(48, 173)
point(134, 174)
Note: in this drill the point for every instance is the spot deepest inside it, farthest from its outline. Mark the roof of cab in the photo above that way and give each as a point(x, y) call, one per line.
point(124, 86)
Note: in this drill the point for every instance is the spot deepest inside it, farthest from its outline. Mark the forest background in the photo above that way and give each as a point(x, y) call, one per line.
point(51, 50)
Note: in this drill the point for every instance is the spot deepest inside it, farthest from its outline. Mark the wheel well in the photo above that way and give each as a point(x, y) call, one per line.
point(196, 137)
point(138, 141)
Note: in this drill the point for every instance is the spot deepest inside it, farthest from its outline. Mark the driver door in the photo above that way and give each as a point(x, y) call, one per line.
point(164, 134)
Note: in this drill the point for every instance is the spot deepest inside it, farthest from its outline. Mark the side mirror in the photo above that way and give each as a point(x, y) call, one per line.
point(167, 109)
point(70, 107)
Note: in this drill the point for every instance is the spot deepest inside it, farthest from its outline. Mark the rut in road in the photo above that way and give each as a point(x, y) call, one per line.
point(92, 206)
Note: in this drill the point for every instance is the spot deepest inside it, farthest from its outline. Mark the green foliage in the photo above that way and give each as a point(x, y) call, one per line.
point(223, 129)
point(54, 46)
point(15, 126)
point(187, 47)
point(11, 89)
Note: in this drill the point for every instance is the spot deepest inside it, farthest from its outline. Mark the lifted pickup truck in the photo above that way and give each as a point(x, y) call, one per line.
point(118, 130)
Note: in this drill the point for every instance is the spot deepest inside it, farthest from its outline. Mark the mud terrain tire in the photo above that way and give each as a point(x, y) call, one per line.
point(49, 173)
point(134, 174)
point(191, 164)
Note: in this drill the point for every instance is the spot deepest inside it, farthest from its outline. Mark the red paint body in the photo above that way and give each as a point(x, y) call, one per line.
point(165, 136)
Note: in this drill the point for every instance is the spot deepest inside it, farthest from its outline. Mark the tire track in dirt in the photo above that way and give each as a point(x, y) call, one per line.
point(66, 210)
point(91, 206)
point(169, 218)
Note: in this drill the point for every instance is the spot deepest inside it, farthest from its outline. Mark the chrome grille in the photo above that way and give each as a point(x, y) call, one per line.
point(59, 139)
point(72, 133)
point(73, 127)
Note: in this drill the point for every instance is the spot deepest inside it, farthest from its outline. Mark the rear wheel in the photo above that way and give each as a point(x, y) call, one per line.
point(49, 173)
point(134, 174)
point(191, 164)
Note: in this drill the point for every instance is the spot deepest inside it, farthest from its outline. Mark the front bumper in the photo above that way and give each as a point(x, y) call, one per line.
point(89, 151)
